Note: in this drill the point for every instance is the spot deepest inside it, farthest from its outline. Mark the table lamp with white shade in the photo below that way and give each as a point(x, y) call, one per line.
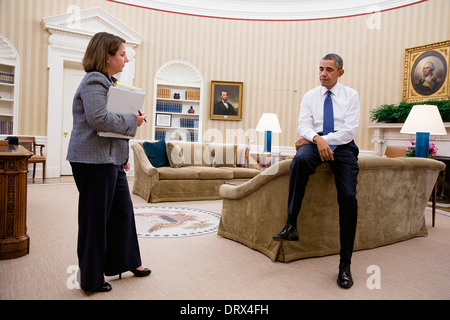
point(422, 121)
point(268, 123)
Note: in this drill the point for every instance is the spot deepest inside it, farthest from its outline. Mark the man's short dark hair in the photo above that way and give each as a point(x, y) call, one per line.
point(336, 58)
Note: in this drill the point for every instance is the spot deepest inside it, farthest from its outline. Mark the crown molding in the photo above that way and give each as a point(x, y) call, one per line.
point(271, 10)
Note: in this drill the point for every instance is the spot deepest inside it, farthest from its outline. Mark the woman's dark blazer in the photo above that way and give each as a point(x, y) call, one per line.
point(90, 116)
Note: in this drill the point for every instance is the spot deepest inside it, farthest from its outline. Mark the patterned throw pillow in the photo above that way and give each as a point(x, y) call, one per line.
point(242, 156)
point(175, 155)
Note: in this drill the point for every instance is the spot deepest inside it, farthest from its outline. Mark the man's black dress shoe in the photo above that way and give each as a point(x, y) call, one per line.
point(289, 233)
point(104, 288)
point(345, 279)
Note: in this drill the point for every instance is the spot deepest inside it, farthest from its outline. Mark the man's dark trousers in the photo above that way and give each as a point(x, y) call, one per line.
point(345, 168)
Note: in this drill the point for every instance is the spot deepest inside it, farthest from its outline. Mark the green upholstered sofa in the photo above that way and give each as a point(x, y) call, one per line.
point(196, 171)
point(392, 196)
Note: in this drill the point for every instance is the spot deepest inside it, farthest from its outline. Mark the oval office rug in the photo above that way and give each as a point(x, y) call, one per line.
point(171, 222)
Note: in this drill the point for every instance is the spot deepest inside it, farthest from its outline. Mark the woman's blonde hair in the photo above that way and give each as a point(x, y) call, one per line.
point(101, 45)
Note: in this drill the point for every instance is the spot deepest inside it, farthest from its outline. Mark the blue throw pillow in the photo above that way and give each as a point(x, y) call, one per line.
point(156, 153)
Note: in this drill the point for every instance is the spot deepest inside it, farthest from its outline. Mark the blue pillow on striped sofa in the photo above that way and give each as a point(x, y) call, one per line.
point(156, 153)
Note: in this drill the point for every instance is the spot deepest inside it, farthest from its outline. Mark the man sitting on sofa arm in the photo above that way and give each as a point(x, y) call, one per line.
point(332, 141)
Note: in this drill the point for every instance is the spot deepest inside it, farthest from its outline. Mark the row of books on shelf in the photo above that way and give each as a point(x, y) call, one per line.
point(163, 93)
point(189, 123)
point(160, 135)
point(6, 78)
point(169, 107)
point(6, 127)
point(190, 136)
point(192, 95)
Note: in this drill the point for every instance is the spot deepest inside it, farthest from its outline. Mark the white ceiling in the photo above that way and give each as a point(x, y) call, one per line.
point(272, 9)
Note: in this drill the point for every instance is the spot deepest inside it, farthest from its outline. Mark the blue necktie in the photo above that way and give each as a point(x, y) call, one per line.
point(328, 117)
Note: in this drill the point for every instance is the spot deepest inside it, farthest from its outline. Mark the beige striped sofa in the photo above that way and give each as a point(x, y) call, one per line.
point(196, 171)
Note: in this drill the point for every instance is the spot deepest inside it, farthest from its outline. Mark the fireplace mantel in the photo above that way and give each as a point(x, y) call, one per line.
point(388, 134)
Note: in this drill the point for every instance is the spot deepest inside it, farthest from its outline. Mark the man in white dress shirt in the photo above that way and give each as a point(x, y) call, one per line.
point(315, 147)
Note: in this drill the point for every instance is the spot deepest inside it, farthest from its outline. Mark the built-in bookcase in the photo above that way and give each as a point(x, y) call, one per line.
point(178, 103)
point(9, 87)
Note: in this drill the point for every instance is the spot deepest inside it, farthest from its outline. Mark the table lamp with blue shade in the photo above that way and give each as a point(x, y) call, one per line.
point(422, 121)
point(268, 124)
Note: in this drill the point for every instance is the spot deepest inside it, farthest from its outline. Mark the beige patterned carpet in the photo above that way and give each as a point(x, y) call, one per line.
point(209, 267)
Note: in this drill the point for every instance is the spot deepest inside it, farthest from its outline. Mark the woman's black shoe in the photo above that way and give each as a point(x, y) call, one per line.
point(139, 273)
point(104, 288)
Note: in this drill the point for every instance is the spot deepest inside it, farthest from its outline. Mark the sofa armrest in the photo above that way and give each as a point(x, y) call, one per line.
point(241, 191)
point(145, 175)
point(141, 159)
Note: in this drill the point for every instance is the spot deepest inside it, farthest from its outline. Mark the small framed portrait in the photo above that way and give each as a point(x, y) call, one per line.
point(427, 74)
point(226, 100)
point(163, 120)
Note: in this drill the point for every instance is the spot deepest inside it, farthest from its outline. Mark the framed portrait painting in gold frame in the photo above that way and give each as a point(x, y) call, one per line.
point(226, 100)
point(427, 73)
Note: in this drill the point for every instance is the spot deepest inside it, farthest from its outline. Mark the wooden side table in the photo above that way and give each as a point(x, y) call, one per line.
point(14, 241)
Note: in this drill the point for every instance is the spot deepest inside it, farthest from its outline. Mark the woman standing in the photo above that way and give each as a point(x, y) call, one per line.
point(107, 239)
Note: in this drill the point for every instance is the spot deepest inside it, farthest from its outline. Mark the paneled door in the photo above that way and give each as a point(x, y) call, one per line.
point(73, 74)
